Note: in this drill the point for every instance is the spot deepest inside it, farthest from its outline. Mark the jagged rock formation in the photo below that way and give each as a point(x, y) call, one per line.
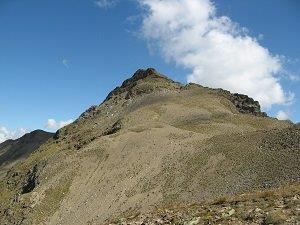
point(243, 103)
point(32, 180)
point(151, 143)
point(246, 105)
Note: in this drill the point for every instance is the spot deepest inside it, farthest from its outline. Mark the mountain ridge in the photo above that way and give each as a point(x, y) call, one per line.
point(151, 143)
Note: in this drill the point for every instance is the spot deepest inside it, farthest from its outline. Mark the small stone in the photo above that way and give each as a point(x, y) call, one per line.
point(231, 212)
point(195, 221)
point(257, 210)
point(217, 217)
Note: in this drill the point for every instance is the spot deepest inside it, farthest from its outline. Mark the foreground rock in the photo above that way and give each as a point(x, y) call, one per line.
point(278, 206)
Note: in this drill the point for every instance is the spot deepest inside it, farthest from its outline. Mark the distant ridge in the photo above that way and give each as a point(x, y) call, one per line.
point(12, 151)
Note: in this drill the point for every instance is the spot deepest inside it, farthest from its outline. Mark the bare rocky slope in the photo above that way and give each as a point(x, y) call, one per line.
point(153, 142)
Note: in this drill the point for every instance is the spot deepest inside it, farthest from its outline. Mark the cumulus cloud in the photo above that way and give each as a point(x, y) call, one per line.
point(282, 115)
point(291, 76)
point(105, 4)
point(218, 52)
point(6, 133)
point(55, 125)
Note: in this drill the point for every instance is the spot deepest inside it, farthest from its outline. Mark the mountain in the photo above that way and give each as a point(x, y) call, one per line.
point(152, 143)
point(13, 151)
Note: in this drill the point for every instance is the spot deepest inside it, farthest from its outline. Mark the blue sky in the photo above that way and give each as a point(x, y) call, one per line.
point(59, 57)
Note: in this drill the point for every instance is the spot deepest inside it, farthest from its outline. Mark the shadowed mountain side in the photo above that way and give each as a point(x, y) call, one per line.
point(12, 151)
point(151, 143)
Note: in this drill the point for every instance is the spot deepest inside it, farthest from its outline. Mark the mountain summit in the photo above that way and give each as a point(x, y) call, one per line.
point(150, 81)
point(152, 142)
point(143, 81)
point(156, 81)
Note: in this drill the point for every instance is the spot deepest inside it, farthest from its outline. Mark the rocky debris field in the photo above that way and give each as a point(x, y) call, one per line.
point(281, 206)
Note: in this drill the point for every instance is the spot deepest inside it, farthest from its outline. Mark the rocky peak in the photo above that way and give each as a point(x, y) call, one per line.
point(143, 81)
point(141, 76)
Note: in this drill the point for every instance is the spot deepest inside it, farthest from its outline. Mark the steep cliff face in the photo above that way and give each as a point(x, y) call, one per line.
point(151, 143)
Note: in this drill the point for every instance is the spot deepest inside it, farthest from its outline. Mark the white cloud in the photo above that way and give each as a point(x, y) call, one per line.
point(6, 134)
point(218, 52)
point(291, 76)
point(105, 4)
point(54, 125)
point(261, 37)
point(282, 115)
point(65, 62)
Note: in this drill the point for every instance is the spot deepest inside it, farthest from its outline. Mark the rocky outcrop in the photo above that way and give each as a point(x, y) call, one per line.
point(114, 128)
point(141, 74)
point(243, 103)
point(32, 179)
point(247, 105)
point(90, 112)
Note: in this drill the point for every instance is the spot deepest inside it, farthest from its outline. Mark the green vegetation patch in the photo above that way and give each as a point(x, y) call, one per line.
point(52, 200)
